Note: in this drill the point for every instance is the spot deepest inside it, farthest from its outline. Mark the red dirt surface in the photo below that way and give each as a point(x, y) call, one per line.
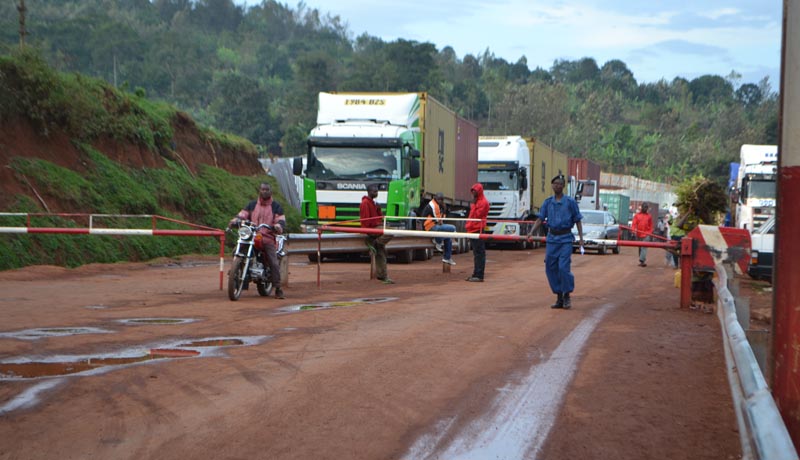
point(362, 381)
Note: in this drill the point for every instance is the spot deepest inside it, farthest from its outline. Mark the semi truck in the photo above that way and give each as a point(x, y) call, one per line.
point(585, 175)
point(755, 186)
point(408, 144)
point(514, 172)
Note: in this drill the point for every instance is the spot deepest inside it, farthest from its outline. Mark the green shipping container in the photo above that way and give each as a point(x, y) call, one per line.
point(618, 205)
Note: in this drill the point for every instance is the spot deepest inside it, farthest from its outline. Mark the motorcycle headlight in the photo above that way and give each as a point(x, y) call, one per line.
point(245, 232)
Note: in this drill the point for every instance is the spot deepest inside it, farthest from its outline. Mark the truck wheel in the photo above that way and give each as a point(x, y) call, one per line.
point(312, 258)
point(615, 249)
point(406, 256)
point(420, 254)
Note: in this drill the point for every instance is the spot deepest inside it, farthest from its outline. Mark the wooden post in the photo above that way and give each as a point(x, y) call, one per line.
point(22, 32)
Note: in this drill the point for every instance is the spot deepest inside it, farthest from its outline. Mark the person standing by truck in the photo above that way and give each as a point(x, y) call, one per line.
point(434, 222)
point(478, 213)
point(372, 217)
point(561, 213)
point(642, 228)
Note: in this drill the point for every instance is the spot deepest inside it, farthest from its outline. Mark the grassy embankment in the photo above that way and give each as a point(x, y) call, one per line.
point(87, 109)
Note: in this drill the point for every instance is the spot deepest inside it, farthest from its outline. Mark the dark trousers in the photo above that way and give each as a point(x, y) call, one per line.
point(271, 258)
point(478, 257)
point(378, 242)
point(676, 255)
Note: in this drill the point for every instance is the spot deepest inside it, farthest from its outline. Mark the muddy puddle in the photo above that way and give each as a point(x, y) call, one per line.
point(335, 304)
point(138, 321)
point(47, 372)
point(44, 332)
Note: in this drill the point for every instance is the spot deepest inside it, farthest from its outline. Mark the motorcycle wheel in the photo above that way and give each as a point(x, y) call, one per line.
point(236, 278)
point(264, 288)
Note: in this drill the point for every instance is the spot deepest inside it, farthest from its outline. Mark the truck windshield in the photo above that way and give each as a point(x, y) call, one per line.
point(498, 180)
point(354, 163)
point(761, 189)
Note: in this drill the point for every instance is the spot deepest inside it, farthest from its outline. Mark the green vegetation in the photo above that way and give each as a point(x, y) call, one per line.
point(256, 72)
point(210, 199)
point(702, 198)
point(131, 71)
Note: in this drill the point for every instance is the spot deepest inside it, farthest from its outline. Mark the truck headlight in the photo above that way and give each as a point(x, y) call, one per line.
point(510, 229)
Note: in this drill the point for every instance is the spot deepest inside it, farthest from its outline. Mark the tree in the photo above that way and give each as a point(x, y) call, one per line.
point(615, 75)
point(584, 69)
point(710, 88)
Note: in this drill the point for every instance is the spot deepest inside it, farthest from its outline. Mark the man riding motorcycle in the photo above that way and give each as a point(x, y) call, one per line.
point(265, 210)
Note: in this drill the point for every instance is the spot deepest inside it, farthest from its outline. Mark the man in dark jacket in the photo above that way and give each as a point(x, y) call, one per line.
point(265, 210)
point(371, 217)
point(478, 212)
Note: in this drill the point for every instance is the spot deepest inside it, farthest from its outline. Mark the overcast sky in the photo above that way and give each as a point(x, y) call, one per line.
point(656, 39)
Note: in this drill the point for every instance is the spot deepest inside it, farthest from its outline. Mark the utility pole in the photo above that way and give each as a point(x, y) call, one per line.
point(22, 32)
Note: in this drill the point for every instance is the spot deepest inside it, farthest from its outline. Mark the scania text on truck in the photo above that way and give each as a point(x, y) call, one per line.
point(408, 144)
point(755, 187)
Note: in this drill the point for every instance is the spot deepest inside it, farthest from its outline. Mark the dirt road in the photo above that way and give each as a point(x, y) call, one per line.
point(431, 367)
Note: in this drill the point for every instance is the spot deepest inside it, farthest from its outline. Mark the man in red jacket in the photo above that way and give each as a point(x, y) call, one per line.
point(372, 217)
point(479, 211)
point(642, 226)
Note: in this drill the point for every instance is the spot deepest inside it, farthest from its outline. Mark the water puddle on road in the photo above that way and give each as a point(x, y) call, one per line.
point(43, 332)
point(336, 304)
point(22, 368)
point(50, 370)
point(137, 321)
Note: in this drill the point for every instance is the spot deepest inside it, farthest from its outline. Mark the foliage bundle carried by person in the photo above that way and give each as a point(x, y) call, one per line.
point(705, 199)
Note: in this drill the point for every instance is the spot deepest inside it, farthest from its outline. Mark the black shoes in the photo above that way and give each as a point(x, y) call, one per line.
point(563, 301)
point(279, 294)
point(559, 302)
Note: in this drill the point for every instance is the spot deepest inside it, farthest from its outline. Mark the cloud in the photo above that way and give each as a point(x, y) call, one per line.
point(684, 47)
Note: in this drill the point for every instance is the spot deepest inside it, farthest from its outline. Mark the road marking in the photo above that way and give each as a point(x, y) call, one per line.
point(521, 417)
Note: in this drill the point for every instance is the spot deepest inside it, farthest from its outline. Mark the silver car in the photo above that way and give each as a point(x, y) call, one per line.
point(600, 230)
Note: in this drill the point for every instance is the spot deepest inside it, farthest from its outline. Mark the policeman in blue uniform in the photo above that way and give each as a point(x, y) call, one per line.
point(561, 213)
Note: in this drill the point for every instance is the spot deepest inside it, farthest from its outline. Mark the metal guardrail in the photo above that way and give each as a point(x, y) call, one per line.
point(762, 432)
point(345, 243)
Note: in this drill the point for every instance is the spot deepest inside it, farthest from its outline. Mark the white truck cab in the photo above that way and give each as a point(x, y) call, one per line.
point(504, 164)
point(762, 250)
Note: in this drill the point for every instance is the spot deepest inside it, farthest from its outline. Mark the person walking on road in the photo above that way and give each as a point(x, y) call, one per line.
point(434, 222)
point(642, 228)
point(372, 217)
point(561, 213)
point(265, 210)
point(478, 213)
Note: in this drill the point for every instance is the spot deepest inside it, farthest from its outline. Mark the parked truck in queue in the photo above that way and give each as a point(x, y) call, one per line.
point(515, 172)
point(585, 177)
point(755, 188)
point(408, 144)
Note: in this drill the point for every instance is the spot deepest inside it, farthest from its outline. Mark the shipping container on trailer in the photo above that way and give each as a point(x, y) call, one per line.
point(466, 159)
